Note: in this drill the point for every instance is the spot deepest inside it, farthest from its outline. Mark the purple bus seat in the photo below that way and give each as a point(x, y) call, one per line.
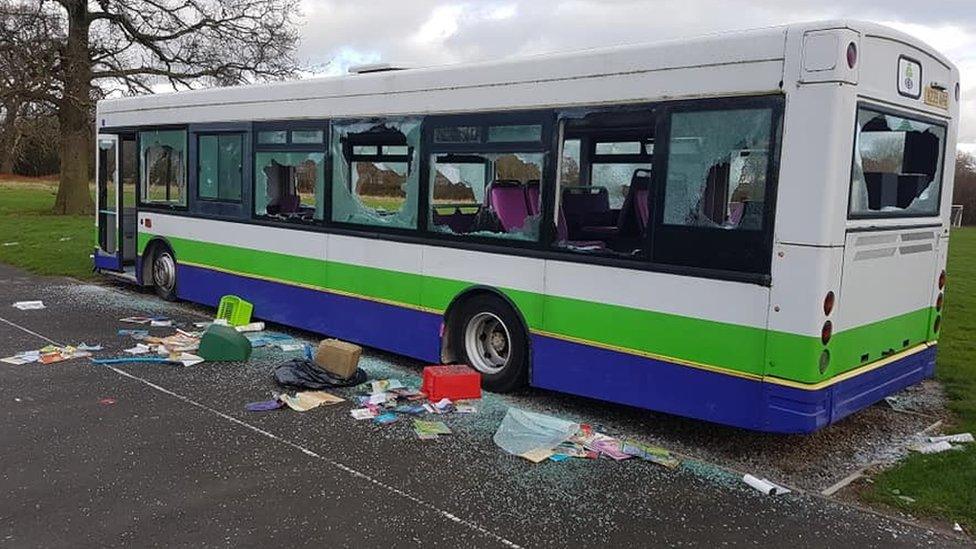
point(289, 203)
point(508, 202)
point(586, 205)
point(562, 235)
point(642, 201)
point(635, 213)
point(532, 196)
point(735, 212)
point(458, 221)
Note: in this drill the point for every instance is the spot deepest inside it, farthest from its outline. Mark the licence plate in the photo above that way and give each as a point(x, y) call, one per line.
point(936, 97)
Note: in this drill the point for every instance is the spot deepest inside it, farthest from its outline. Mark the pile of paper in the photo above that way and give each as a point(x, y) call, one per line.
point(47, 355)
point(260, 338)
point(176, 347)
point(385, 396)
point(307, 400)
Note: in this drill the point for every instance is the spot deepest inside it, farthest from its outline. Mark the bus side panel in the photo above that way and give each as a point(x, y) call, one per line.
point(677, 344)
point(624, 378)
point(363, 321)
point(449, 271)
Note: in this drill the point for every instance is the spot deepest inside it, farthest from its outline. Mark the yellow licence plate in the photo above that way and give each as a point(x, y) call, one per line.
point(936, 97)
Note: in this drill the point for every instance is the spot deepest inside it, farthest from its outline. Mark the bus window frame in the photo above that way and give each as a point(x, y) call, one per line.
point(716, 239)
point(140, 203)
point(243, 135)
point(545, 145)
point(910, 115)
point(316, 124)
point(602, 132)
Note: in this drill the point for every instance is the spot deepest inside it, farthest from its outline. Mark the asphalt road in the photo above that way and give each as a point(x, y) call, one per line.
point(177, 461)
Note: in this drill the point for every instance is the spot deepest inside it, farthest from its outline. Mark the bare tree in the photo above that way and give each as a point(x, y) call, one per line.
point(964, 190)
point(105, 47)
point(28, 51)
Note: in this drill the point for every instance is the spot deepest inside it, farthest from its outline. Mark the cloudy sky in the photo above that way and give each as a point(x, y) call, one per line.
point(341, 33)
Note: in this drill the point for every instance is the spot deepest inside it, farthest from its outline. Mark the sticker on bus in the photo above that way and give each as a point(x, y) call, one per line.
point(909, 77)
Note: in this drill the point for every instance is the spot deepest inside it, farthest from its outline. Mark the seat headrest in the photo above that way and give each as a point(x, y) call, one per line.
point(641, 179)
point(505, 183)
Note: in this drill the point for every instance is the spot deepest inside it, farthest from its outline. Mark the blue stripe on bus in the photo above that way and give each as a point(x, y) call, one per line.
point(388, 327)
point(568, 366)
point(105, 261)
point(663, 386)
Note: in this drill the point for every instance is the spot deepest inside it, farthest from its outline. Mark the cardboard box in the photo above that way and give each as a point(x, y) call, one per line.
point(338, 358)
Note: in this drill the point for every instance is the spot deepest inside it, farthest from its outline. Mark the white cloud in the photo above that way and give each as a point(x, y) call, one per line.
point(441, 25)
point(945, 38)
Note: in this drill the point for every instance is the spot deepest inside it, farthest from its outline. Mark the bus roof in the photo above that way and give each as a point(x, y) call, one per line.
point(730, 63)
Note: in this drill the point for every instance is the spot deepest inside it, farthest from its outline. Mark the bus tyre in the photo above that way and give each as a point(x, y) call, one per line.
point(164, 273)
point(488, 336)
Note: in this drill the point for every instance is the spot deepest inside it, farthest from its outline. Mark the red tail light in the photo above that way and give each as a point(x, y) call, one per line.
point(826, 332)
point(851, 55)
point(939, 301)
point(828, 304)
point(942, 279)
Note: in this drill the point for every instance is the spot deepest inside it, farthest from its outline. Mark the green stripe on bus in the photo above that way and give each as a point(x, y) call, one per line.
point(708, 342)
point(729, 346)
point(788, 352)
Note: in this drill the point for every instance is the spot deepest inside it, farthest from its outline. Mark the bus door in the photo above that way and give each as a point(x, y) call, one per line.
point(116, 195)
point(108, 255)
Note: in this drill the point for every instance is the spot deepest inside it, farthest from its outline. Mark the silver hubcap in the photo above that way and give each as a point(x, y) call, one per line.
point(488, 343)
point(164, 271)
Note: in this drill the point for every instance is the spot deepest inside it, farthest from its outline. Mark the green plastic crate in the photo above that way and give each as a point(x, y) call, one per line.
point(235, 310)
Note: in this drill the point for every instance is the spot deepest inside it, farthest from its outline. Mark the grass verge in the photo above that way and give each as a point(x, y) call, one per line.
point(944, 485)
point(36, 240)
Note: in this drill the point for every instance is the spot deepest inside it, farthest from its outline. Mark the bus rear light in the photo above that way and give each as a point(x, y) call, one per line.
point(937, 324)
point(939, 301)
point(851, 55)
point(957, 92)
point(942, 279)
point(828, 304)
point(824, 360)
point(826, 332)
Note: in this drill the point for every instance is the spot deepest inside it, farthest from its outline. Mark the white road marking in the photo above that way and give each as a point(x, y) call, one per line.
point(35, 334)
point(338, 465)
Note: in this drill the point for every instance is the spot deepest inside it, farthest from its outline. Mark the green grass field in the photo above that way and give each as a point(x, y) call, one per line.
point(943, 485)
point(32, 238)
point(387, 203)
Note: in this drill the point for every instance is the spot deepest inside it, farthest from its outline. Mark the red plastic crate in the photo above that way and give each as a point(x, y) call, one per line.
point(453, 382)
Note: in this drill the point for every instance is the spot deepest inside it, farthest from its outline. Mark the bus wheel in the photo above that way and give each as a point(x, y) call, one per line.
point(489, 335)
point(164, 273)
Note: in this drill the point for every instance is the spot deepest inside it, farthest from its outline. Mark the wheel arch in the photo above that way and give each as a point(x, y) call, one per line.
point(447, 353)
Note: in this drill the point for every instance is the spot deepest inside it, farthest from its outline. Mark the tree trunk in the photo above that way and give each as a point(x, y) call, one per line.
point(74, 194)
point(8, 136)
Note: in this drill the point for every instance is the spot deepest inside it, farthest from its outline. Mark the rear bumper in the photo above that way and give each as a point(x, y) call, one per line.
point(792, 409)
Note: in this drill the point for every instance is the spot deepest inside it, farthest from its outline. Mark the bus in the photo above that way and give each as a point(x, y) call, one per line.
point(746, 228)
